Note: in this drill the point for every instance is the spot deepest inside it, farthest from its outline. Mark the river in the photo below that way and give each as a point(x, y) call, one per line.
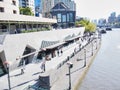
point(104, 73)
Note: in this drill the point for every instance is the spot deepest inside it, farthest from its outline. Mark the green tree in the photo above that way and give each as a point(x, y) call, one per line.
point(89, 26)
point(26, 11)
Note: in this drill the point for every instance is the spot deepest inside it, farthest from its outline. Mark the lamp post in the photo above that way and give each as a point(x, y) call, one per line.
point(92, 47)
point(70, 65)
point(84, 57)
point(8, 72)
point(96, 43)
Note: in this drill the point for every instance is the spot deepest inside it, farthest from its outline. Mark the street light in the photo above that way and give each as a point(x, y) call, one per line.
point(96, 43)
point(92, 47)
point(84, 57)
point(8, 72)
point(70, 65)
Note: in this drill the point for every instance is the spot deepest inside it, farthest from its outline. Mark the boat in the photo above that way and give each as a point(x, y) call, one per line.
point(108, 28)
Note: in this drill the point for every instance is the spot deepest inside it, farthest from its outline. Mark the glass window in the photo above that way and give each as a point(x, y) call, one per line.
point(59, 17)
point(64, 18)
point(1, 9)
point(14, 12)
point(13, 2)
point(71, 17)
point(67, 17)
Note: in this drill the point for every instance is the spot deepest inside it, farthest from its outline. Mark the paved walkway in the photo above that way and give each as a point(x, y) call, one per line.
point(32, 72)
point(78, 70)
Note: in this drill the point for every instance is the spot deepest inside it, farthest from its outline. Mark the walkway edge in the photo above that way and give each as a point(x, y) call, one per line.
point(76, 87)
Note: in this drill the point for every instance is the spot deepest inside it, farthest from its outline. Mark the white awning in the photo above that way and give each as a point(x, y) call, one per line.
point(55, 45)
point(24, 18)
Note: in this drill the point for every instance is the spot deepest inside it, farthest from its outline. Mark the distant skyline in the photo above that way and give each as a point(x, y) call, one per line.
point(96, 9)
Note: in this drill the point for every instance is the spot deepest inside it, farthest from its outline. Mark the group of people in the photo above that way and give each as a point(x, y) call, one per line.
point(58, 52)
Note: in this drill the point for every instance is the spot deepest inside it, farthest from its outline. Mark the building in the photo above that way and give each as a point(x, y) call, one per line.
point(9, 6)
point(11, 21)
point(35, 46)
point(46, 7)
point(28, 3)
point(38, 9)
point(64, 15)
point(69, 3)
point(102, 22)
point(112, 18)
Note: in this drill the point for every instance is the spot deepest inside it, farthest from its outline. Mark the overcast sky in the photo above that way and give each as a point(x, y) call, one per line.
point(95, 9)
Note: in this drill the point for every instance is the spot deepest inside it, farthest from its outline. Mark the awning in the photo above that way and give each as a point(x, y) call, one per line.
point(55, 45)
point(45, 44)
point(51, 44)
point(24, 18)
point(73, 38)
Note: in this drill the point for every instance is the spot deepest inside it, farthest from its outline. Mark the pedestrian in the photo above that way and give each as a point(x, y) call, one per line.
point(23, 67)
point(58, 52)
point(43, 65)
point(61, 52)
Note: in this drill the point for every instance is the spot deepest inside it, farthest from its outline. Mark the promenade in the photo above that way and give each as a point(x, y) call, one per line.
point(20, 81)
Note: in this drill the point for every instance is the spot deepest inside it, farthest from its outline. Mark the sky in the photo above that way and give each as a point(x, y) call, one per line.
point(96, 9)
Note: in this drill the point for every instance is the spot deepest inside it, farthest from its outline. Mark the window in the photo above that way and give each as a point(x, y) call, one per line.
point(14, 12)
point(63, 18)
point(59, 17)
point(67, 17)
point(71, 17)
point(1, 9)
point(13, 2)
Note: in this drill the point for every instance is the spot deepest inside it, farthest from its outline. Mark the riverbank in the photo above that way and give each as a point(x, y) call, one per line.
point(78, 71)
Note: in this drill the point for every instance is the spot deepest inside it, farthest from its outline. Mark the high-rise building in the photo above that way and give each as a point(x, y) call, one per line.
point(38, 8)
point(9, 6)
point(28, 3)
point(46, 7)
point(112, 18)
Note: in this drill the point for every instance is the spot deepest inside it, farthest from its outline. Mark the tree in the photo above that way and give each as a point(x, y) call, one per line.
point(26, 11)
point(89, 26)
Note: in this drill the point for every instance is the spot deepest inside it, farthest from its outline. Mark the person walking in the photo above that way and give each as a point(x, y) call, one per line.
point(23, 67)
point(58, 52)
point(43, 65)
point(61, 52)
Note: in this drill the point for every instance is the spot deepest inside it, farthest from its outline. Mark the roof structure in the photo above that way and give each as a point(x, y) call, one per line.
point(4, 18)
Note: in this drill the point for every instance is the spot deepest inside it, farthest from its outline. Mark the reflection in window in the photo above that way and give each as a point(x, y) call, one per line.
point(67, 17)
point(59, 17)
point(71, 17)
point(64, 18)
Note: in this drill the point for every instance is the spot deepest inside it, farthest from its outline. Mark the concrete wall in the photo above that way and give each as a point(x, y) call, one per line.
point(14, 45)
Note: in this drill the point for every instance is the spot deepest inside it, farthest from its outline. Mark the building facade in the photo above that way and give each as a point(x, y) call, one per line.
point(9, 6)
point(28, 3)
point(11, 21)
point(69, 3)
point(46, 7)
point(64, 15)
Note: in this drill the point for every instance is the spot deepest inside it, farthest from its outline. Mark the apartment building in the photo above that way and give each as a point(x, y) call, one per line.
point(9, 6)
point(28, 3)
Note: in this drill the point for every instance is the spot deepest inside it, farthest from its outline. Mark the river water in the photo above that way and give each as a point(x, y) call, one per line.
point(104, 73)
